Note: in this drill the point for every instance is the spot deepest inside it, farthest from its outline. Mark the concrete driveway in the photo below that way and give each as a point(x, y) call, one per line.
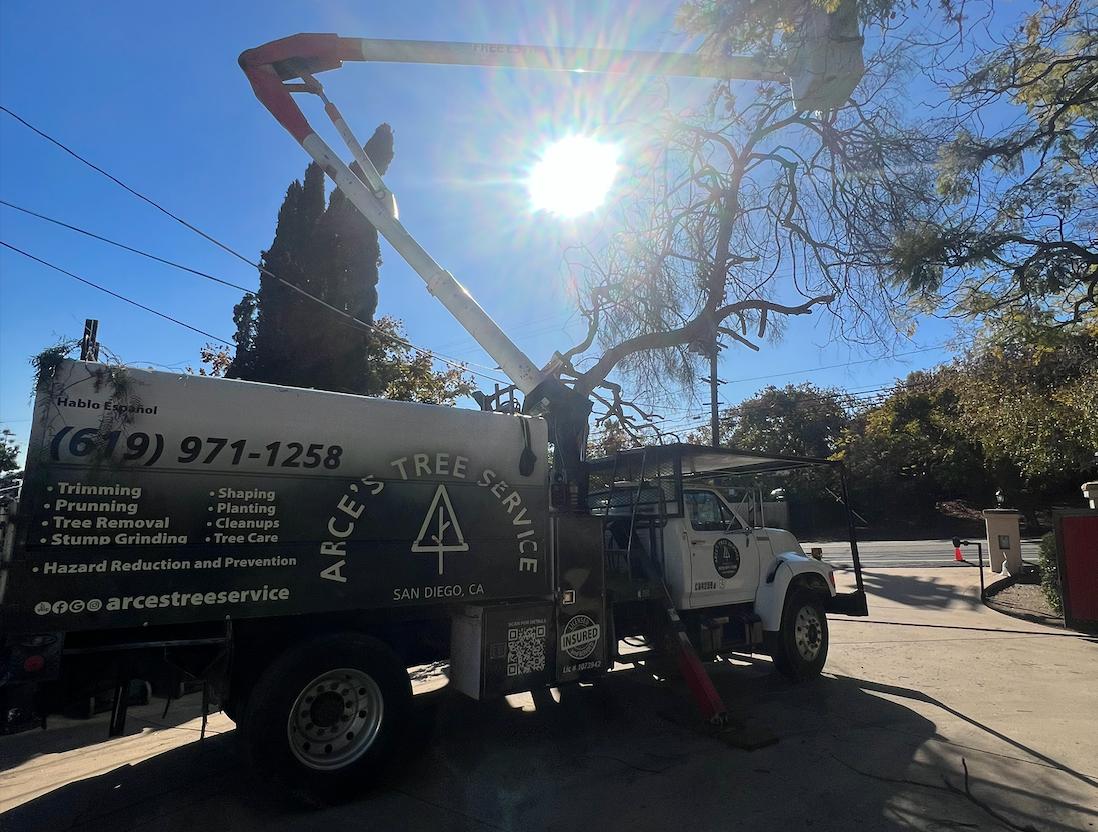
point(932, 684)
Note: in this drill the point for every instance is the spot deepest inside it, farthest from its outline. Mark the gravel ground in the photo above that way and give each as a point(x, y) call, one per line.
point(1024, 601)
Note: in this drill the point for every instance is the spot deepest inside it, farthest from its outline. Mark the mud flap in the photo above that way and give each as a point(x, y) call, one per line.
point(583, 645)
point(847, 603)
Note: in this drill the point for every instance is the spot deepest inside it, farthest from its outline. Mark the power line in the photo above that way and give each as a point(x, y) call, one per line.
point(122, 246)
point(851, 398)
point(463, 342)
point(356, 324)
point(460, 365)
point(847, 400)
point(836, 366)
point(126, 187)
point(868, 392)
point(113, 294)
point(463, 366)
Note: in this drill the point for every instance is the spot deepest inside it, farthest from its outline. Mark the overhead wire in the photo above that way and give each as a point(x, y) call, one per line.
point(848, 400)
point(836, 366)
point(468, 340)
point(860, 399)
point(463, 366)
point(459, 365)
point(179, 266)
point(851, 397)
point(114, 294)
point(126, 187)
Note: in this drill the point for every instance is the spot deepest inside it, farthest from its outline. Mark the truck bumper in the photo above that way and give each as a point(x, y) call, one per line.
point(848, 603)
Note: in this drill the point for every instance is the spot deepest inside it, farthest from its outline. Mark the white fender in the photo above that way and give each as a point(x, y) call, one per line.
point(774, 585)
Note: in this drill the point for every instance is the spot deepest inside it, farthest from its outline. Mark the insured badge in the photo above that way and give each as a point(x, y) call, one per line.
point(579, 637)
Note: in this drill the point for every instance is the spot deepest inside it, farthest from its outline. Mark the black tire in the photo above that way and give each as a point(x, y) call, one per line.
point(799, 649)
point(327, 716)
point(231, 710)
point(140, 692)
point(83, 708)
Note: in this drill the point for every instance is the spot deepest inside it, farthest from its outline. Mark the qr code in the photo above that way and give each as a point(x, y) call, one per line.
point(525, 650)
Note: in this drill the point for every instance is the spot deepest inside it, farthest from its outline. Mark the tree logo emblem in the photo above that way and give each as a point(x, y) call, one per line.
point(726, 558)
point(440, 532)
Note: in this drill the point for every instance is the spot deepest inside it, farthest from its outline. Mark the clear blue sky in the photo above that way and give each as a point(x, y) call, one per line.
point(152, 93)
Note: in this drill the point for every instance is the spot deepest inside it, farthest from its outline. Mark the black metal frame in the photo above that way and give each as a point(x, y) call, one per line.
point(705, 462)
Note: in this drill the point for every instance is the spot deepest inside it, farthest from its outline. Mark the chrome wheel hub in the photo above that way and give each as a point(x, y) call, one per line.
point(335, 719)
point(808, 633)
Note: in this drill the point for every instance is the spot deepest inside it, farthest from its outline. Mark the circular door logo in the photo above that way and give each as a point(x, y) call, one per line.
point(579, 638)
point(726, 558)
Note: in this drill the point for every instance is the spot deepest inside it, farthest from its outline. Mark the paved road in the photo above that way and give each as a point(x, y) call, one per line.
point(876, 554)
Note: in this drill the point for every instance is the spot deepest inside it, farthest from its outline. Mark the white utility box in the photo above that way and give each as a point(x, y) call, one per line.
point(1090, 493)
point(1004, 544)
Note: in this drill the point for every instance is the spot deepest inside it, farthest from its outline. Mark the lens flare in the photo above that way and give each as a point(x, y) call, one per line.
point(573, 176)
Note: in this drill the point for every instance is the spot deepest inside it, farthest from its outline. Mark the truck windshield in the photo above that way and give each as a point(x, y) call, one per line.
point(708, 513)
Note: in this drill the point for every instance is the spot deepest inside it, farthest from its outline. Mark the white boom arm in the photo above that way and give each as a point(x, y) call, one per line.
point(826, 73)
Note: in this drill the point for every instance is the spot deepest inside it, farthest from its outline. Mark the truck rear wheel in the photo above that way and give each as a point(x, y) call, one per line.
point(327, 716)
point(799, 649)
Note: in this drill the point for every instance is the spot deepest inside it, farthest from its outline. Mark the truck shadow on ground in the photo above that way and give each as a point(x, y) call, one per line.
point(631, 752)
point(68, 734)
point(921, 592)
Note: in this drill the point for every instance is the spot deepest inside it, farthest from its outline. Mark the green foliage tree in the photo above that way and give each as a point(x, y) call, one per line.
point(401, 372)
point(802, 419)
point(9, 452)
point(331, 253)
point(1013, 413)
point(1031, 406)
point(1019, 227)
point(10, 471)
point(910, 453)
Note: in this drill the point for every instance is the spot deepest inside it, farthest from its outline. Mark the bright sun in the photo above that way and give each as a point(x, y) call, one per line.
point(573, 176)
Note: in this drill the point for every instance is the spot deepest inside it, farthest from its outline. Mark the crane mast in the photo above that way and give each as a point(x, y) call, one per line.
point(825, 69)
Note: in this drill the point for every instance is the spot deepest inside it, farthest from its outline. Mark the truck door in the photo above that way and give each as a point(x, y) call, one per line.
point(724, 554)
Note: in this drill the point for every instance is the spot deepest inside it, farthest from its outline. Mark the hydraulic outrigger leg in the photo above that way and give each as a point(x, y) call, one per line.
point(691, 667)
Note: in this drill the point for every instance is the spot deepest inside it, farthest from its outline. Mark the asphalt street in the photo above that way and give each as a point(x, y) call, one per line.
point(877, 554)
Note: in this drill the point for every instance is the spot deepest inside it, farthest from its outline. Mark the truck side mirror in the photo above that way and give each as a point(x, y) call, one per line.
point(956, 543)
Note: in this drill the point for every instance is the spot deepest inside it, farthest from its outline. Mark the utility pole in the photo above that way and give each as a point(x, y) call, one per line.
point(89, 345)
point(714, 382)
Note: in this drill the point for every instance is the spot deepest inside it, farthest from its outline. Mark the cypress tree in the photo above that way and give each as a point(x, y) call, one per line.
point(333, 254)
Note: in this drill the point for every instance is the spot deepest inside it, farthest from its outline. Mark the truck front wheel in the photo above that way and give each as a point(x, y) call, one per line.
point(799, 649)
point(327, 715)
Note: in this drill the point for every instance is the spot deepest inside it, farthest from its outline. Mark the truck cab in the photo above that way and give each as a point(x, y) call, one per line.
point(736, 586)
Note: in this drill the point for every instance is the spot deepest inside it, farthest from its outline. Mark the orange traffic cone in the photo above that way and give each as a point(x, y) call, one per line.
point(957, 553)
